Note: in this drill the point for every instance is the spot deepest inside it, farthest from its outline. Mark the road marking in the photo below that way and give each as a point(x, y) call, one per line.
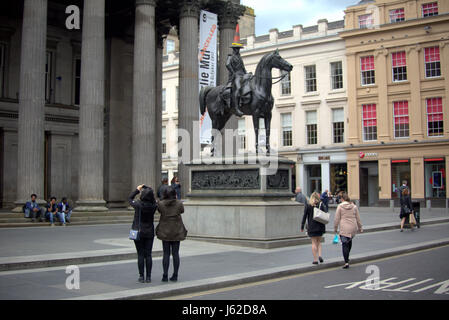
point(268, 281)
point(409, 286)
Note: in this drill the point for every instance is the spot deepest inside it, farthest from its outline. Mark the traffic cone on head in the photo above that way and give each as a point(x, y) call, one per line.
point(236, 43)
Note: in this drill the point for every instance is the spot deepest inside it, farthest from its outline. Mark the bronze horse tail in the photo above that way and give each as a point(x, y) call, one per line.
point(203, 94)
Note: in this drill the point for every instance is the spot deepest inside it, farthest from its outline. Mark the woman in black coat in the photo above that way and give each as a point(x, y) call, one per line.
point(406, 203)
point(145, 207)
point(315, 229)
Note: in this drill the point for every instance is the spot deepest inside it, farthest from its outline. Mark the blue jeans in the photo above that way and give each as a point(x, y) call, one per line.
point(50, 216)
point(68, 214)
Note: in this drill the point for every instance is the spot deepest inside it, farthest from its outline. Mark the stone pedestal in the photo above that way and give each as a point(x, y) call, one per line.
point(244, 202)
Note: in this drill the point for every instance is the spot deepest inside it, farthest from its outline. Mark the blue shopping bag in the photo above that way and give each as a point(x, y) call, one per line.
point(335, 241)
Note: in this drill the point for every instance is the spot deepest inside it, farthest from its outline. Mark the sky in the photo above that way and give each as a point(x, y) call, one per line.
point(284, 14)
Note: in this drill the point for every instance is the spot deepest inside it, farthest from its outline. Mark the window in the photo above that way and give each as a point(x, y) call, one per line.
point(311, 125)
point(434, 117)
point(432, 61)
point(430, 9)
point(170, 45)
point(401, 119)
point(397, 15)
point(77, 81)
point(367, 70)
point(164, 100)
point(337, 75)
point(400, 171)
point(310, 72)
point(369, 122)
point(286, 123)
point(164, 140)
point(286, 85)
point(242, 134)
point(338, 125)
point(435, 177)
point(399, 63)
point(366, 21)
point(2, 69)
point(48, 77)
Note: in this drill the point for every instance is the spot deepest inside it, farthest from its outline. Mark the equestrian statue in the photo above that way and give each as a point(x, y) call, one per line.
point(244, 94)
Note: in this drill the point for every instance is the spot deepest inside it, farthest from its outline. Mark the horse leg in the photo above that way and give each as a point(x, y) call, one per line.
point(267, 120)
point(256, 131)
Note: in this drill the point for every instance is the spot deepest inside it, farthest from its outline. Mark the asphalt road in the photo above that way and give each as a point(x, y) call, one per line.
point(423, 275)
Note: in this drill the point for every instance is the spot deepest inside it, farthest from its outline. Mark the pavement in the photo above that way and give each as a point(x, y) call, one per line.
point(33, 261)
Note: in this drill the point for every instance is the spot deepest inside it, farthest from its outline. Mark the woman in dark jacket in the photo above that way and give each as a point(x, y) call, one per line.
point(177, 186)
point(406, 202)
point(315, 229)
point(145, 207)
point(170, 230)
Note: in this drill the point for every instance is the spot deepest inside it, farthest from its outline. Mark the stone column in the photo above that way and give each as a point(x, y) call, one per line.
point(158, 118)
point(91, 115)
point(31, 139)
point(415, 110)
point(227, 21)
point(384, 112)
point(188, 87)
point(144, 139)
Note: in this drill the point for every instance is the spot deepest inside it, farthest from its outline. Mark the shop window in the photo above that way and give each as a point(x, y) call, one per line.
point(286, 88)
point(310, 72)
point(286, 119)
point(432, 61)
point(434, 108)
point(313, 179)
point(338, 177)
point(397, 15)
point(369, 118)
point(399, 64)
point(366, 21)
point(401, 119)
point(311, 127)
point(430, 9)
point(400, 171)
point(367, 70)
point(337, 75)
point(435, 177)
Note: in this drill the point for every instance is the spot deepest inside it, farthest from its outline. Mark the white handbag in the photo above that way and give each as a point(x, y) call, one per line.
point(320, 216)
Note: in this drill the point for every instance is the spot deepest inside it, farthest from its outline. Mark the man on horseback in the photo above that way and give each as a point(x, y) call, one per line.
point(237, 71)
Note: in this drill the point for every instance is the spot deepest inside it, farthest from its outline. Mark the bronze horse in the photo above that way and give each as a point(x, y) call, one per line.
point(257, 100)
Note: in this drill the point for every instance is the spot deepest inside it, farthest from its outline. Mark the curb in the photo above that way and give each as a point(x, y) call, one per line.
point(250, 277)
point(37, 264)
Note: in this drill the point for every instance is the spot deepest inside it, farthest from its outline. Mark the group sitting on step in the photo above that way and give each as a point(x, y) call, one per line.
point(52, 210)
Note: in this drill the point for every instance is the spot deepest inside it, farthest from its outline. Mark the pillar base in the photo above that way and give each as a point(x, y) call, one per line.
point(90, 206)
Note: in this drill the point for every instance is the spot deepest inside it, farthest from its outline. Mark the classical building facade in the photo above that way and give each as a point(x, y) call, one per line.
point(398, 82)
point(309, 114)
point(81, 108)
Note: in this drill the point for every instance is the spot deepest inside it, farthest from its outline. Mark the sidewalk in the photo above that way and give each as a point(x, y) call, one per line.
point(207, 266)
point(58, 246)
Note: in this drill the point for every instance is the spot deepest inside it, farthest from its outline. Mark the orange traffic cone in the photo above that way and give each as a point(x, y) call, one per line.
point(236, 43)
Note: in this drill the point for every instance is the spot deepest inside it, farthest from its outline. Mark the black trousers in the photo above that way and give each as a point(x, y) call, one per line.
point(346, 244)
point(144, 246)
point(173, 248)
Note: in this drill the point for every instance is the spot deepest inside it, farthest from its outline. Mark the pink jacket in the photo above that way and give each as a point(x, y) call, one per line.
point(348, 219)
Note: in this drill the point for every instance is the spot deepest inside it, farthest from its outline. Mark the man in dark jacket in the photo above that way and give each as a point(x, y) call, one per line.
point(325, 199)
point(162, 188)
point(32, 209)
point(299, 196)
point(65, 209)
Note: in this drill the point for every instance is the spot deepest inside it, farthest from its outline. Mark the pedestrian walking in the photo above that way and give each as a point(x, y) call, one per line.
point(406, 209)
point(315, 229)
point(299, 196)
point(347, 220)
point(177, 186)
point(144, 210)
point(171, 231)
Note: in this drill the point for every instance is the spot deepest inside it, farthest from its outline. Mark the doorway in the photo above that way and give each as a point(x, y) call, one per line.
point(369, 183)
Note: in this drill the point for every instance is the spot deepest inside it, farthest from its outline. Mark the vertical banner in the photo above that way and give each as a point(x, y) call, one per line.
point(207, 65)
